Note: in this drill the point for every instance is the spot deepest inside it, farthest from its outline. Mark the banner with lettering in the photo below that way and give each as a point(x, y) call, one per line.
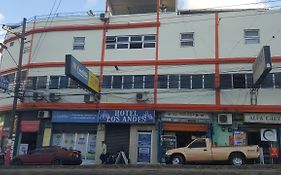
point(127, 116)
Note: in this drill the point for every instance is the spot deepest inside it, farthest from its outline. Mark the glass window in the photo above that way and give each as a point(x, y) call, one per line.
point(162, 81)
point(42, 82)
point(209, 81)
point(54, 82)
point(23, 75)
point(117, 82)
point(136, 45)
point(138, 81)
point(226, 81)
point(10, 78)
point(187, 39)
point(251, 36)
point(122, 46)
point(268, 81)
point(277, 77)
point(128, 82)
point(174, 81)
point(149, 45)
point(136, 38)
point(185, 81)
point(12, 44)
point(111, 39)
point(198, 144)
point(107, 81)
point(197, 82)
point(110, 46)
point(64, 82)
point(149, 81)
point(149, 38)
point(239, 81)
point(249, 80)
point(78, 43)
point(31, 83)
point(122, 39)
point(73, 84)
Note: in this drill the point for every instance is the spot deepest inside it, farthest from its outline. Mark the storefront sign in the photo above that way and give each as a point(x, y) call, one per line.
point(270, 118)
point(75, 117)
point(127, 116)
point(269, 135)
point(185, 117)
point(240, 137)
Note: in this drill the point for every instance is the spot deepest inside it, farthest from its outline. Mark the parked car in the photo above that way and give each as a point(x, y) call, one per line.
point(202, 151)
point(49, 155)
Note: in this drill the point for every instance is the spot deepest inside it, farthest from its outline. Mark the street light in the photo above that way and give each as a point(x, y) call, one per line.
point(12, 133)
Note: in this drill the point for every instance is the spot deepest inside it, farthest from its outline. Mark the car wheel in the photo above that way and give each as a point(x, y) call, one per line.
point(237, 159)
point(16, 162)
point(57, 162)
point(177, 159)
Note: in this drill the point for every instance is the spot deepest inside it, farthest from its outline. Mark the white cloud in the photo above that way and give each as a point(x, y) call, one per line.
point(90, 4)
point(2, 32)
point(221, 4)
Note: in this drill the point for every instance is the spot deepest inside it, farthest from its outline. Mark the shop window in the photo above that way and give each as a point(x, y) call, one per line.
point(197, 82)
point(239, 81)
point(187, 39)
point(163, 81)
point(149, 81)
point(268, 81)
point(209, 81)
point(277, 77)
point(174, 81)
point(185, 81)
point(63, 82)
point(127, 82)
point(78, 43)
point(251, 36)
point(117, 82)
point(54, 82)
point(31, 83)
point(42, 82)
point(249, 81)
point(138, 81)
point(226, 81)
point(107, 81)
point(198, 144)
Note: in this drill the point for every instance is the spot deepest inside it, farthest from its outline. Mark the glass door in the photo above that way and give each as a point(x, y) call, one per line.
point(144, 147)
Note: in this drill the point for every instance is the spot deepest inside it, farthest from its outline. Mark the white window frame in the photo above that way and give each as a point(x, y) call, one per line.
point(250, 39)
point(79, 45)
point(187, 40)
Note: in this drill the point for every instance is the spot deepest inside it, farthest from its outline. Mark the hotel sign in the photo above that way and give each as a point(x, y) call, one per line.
point(269, 118)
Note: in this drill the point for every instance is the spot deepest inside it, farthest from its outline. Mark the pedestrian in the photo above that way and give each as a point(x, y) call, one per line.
point(103, 155)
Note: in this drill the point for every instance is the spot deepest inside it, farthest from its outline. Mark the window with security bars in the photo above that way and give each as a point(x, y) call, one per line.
point(252, 36)
point(78, 43)
point(187, 39)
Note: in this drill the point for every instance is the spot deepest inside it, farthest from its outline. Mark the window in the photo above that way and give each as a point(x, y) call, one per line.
point(268, 81)
point(149, 41)
point(149, 81)
point(185, 81)
point(41, 82)
point(78, 43)
point(187, 39)
point(10, 78)
point(239, 81)
point(54, 82)
point(138, 82)
point(251, 36)
point(162, 81)
point(277, 77)
point(73, 84)
point(110, 42)
point(209, 81)
point(107, 81)
point(127, 82)
point(117, 82)
point(226, 81)
point(12, 44)
point(197, 82)
point(64, 82)
point(249, 81)
point(31, 83)
point(174, 81)
point(198, 144)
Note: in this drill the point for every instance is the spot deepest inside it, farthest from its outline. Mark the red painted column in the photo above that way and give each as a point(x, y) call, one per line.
point(217, 67)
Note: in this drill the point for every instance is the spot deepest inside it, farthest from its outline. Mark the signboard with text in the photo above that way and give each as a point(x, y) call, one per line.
point(75, 117)
point(269, 118)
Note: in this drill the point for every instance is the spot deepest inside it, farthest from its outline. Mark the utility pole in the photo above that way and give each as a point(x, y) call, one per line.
point(12, 130)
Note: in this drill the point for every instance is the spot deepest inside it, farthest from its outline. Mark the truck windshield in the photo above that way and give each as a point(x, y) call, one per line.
point(198, 144)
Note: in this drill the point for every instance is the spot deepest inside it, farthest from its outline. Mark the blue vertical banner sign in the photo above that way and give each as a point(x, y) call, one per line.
point(144, 147)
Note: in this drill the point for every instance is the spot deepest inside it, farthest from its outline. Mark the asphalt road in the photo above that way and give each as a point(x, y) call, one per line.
point(142, 170)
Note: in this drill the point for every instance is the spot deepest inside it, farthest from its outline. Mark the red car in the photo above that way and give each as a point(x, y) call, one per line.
point(49, 156)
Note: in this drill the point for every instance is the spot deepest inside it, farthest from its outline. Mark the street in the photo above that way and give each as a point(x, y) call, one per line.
point(142, 170)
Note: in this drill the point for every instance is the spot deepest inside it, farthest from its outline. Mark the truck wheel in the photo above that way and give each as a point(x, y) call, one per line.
point(237, 159)
point(177, 159)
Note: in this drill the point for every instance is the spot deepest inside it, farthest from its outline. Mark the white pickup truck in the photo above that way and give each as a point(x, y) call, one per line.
point(201, 150)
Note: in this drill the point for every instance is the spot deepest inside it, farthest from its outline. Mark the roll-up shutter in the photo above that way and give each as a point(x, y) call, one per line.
point(72, 128)
point(117, 138)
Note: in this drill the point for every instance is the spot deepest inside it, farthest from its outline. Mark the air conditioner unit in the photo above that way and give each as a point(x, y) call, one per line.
point(54, 97)
point(38, 96)
point(141, 97)
point(92, 98)
point(43, 114)
point(225, 119)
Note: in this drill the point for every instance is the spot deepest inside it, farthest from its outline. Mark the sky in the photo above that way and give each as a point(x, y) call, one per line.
point(13, 11)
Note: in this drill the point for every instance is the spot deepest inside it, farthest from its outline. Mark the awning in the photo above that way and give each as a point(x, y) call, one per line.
point(187, 127)
point(29, 125)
